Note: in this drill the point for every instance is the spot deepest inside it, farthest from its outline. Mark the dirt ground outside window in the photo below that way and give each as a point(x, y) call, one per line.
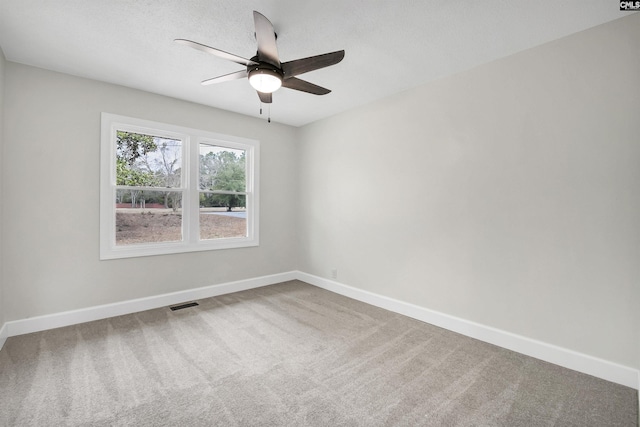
point(134, 226)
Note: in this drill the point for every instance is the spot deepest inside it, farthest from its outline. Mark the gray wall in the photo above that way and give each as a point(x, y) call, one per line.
point(506, 195)
point(2, 224)
point(51, 174)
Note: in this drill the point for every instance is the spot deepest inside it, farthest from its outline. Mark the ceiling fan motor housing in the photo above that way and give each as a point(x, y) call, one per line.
point(264, 68)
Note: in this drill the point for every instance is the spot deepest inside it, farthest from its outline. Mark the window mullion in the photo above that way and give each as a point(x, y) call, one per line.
point(133, 187)
point(238, 193)
point(193, 211)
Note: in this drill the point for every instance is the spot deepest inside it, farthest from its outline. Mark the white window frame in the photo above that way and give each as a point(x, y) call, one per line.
point(191, 140)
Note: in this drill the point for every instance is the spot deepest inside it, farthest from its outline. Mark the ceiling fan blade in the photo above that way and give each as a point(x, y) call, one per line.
point(217, 52)
point(227, 77)
point(266, 38)
point(265, 98)
point(304, 65)
point(304, 86)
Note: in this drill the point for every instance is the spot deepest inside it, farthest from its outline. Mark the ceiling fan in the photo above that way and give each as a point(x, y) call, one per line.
point(265, 71)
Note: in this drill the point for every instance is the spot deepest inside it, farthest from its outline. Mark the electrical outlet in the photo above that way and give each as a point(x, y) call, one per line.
point(334, 273)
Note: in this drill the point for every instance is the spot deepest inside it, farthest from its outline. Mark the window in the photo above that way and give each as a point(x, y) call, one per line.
point(169, 189)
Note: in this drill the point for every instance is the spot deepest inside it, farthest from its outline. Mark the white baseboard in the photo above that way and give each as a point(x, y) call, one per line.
point(549, 353)
point(67, 318)
point(560, 356)
point(4, 334)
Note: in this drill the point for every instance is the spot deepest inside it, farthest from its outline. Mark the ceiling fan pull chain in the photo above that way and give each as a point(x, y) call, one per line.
point(260, 108)
point(269, 118)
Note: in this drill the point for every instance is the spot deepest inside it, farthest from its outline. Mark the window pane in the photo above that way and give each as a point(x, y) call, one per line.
point(222, 168)
point(148, 216)
point(222, 216)
point(148, 161)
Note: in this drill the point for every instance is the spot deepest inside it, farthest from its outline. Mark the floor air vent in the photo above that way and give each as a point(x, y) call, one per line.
point(181, 306)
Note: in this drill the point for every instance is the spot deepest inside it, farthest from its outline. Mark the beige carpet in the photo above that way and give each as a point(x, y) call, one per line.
point(289, 355)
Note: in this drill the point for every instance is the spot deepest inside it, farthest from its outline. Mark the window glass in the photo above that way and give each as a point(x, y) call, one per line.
point(144, 216)
point(223, 201)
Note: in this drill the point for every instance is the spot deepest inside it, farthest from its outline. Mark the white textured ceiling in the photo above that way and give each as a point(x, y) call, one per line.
point(390, 45)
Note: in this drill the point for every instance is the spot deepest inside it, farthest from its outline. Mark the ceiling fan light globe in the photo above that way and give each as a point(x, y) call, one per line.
point(265, 81)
